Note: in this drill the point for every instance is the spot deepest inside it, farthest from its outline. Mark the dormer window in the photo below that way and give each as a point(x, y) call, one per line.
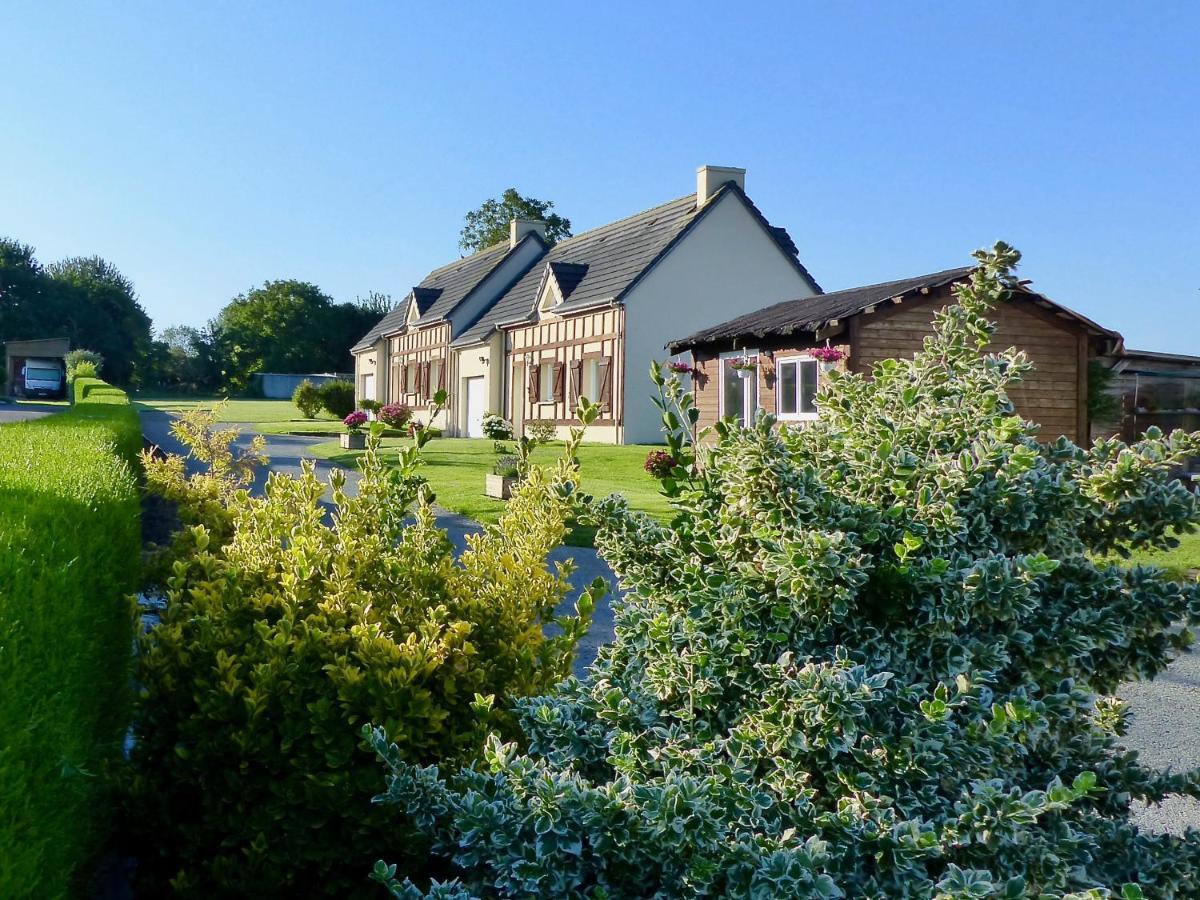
point(413, 313)
point(549, 298)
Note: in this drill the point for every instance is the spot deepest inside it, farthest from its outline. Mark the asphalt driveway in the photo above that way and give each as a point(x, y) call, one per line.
point(286, 453)
point(23, 412)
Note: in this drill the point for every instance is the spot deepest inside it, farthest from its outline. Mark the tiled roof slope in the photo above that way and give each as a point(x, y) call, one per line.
point(812, 313)
point(603, 264)
point(440, 291)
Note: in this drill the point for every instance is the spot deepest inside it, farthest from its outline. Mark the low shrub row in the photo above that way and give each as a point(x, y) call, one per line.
point(69, 550)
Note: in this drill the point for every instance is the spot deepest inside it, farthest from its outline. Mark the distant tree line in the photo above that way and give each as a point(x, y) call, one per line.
point(283, 326)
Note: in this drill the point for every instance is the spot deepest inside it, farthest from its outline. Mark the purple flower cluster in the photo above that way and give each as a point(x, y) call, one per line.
point(659, 463)
point(829, 354)
point(395, 415)
point(679, 367)
point(355, 420)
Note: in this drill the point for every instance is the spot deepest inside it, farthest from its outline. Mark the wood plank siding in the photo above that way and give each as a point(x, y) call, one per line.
point(584, 353)
point(413, 378)
point(1054, 395)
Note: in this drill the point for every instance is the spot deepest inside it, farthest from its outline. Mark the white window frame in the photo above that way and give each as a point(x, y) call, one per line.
point(546, 384)
point(796, 416)
point(750, 403)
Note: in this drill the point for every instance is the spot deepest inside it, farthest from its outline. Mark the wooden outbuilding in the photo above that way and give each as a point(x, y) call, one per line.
point(889, 320)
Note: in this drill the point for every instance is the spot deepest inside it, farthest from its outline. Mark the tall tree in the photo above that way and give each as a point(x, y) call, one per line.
point(99, 308)
point(488, 224)
point(288, 326)
point(22, 291)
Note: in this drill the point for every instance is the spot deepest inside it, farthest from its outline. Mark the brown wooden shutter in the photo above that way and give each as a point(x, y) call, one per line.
point(576, 382)
point(534, 372)
point(560, 378)
point(605, 398)
point(424, 389)
point(441, 385)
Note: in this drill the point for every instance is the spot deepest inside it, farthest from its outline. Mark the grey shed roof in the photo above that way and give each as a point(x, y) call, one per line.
point(813, 313)
point(440, 291)
point(603, 264)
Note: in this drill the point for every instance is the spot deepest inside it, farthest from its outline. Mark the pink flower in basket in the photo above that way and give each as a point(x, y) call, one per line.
point(679, 367)
point(355, 420)
point(829, 354)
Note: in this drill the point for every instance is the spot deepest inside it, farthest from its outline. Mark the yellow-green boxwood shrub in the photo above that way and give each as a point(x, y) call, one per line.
point(69, 550)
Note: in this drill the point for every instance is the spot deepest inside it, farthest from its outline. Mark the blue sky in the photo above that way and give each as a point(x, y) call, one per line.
point(207, 147)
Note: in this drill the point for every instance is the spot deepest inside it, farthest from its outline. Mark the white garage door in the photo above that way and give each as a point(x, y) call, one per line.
point(476, 406)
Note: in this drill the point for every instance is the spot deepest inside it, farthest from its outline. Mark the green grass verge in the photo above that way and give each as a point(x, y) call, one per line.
point(267, 416)
point(1181, 562)
point(456, 468)
point(70, 545)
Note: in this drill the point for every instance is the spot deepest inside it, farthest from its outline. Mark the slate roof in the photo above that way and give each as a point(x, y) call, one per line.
point(604, 264)
point(440, 291)
point(813, 313)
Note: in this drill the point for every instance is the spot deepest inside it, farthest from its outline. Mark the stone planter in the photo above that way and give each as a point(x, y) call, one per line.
point(354, 440)
point(499, 486)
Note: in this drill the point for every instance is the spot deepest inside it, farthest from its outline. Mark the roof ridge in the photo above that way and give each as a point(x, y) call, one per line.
point(881, 284)
point(616, 222)
point(463, 259)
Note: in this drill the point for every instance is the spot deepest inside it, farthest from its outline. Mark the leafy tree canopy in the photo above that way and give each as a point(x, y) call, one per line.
point(287, 326)
point(488, 224)
point(86, 299)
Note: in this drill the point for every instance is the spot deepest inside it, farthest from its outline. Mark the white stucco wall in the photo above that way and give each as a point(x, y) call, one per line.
point(484, 360)
point(498, 280)
point(371, 362)
point(727, 266)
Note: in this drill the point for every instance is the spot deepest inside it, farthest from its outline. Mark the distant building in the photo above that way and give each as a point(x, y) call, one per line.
point(18, 353)
point(281, 385)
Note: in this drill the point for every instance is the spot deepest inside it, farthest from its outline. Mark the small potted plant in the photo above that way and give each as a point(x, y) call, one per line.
point(504, 476)
point(354, 438)
point(829, 356)
point(744, 366)
point(372, 408)
point(679, 367)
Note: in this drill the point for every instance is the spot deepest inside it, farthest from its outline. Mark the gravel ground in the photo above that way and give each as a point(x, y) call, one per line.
point(1166, 733)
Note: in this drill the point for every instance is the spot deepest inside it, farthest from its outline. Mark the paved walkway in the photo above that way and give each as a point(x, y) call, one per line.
point(23, 412)
point(286, 453)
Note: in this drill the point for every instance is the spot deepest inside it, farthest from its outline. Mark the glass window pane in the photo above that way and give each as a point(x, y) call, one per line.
point(733, 388)
point(808, 387)
point(787, 388)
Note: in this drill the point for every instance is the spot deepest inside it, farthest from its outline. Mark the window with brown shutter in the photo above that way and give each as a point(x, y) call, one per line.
point(606, 390)
point(576, 383)
point(410, 378)
point(560, 371)
point(533, 382)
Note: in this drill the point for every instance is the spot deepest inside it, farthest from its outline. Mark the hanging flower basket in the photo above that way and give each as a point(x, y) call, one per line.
point(744, 366)
point(679, 367)
point(829, 356)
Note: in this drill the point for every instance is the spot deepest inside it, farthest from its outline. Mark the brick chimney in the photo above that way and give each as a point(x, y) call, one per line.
point(518, 228)
point(710, 178)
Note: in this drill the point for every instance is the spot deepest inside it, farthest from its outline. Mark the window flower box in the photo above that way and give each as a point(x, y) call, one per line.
point(499, 487)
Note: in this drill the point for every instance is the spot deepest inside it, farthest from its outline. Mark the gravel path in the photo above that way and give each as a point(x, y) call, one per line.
point(1166, 733)
point(286, 453)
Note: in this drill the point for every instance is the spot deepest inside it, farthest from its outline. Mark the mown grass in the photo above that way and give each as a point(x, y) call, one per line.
point(70, 547)
point(456, 468)
point(1181, 562)
point(238, 410)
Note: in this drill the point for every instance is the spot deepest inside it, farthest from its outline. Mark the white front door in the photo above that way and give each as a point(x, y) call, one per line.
point(368, 392)
point(476, 394)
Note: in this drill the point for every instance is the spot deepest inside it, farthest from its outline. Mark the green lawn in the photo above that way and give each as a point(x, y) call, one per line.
point(272, 416)
point(1181, 561)
point(456, 468)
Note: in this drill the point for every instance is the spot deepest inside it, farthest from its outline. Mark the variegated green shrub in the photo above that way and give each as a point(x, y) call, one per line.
point(872, 657)
point(284, 632)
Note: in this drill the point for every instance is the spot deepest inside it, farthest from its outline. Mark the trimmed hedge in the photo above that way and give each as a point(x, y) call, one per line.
point(70, 546)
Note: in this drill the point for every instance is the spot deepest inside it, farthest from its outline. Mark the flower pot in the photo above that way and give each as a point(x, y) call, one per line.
point(354, 440)
point(745, 373)
point(828, 366)
point(498, 486)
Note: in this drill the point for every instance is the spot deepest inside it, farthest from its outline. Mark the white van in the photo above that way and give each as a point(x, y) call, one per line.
point(42, 378)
